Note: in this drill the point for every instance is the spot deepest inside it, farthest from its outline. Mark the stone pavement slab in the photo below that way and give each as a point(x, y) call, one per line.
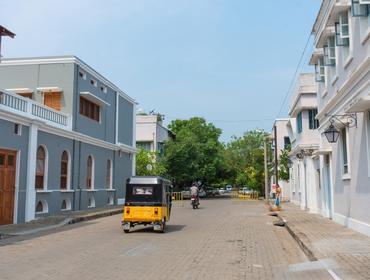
point(51, 222)
point(343, 251)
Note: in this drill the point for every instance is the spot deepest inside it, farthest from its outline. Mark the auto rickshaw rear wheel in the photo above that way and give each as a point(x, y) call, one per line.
point(163, 226)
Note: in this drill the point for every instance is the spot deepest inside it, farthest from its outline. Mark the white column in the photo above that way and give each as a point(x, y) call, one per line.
point(31, 173)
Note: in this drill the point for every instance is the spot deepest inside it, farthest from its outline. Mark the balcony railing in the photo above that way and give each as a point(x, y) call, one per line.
point(17, 104)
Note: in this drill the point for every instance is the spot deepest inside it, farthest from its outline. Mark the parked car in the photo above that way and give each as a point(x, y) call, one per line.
point(202, 193)
point(186, 194)
point(221, 191)
point(229, 188)
point(245, 190)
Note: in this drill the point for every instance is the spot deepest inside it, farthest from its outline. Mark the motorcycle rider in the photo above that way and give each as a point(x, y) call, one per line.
point(194, 191)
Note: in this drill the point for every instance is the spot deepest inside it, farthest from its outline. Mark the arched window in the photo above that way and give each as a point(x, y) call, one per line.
point(90, 173)
point(64, 171)
point(108, 177)
point(66, 205)
point(39, 207)
point(42, 207)
point(40, 168)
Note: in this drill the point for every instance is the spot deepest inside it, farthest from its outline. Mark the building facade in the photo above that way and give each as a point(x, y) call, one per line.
point(342, 61)
point(151, 134)
point(303, 133)
point(283, 142)
point(67, 138)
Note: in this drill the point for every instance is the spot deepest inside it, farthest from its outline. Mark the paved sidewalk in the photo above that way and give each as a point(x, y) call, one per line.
point(344, 252)
point(51, 222)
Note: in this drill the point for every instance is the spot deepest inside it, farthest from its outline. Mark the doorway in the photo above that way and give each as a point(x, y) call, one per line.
point(7, 185)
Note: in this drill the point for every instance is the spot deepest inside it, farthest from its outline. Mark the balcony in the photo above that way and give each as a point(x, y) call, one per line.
point(25, 107)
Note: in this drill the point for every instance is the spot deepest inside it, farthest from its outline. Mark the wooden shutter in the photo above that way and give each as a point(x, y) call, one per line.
point(53, 100)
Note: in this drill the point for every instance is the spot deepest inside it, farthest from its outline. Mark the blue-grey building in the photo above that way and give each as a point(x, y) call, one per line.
point(67, 138)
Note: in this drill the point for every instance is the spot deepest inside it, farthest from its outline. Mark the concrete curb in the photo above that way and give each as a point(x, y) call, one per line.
point(94, 216)
point(66, 221)
point(298, 236)
point(301, 239)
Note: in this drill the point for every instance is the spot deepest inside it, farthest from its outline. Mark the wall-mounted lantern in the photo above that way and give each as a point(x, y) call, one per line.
point(331, 133)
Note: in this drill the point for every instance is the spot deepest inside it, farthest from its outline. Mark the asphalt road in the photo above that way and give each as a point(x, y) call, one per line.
point(224, 239)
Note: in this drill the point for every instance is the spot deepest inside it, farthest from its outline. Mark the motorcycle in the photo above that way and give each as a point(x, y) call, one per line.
point(195, 201)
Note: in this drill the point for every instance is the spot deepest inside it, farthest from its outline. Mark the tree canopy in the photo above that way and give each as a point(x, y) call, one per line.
point(195, 153)
point(244, 160)
point(147, 164)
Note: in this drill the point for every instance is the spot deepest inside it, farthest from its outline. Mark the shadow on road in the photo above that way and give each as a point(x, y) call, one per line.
point(149, 229)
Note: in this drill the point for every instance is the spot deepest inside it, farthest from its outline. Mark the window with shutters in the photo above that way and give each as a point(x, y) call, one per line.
point(360, 8)
point(313, 123)
point(108, 177)
point(64, 171)
point(329, 52)
point(26, 94)
point(90, 173)
point(40, 168)
point(320, 70)
point(89, 109)
point(53, 100)
point(299, 122)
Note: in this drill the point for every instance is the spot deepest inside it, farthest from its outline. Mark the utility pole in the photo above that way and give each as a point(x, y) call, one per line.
point(276, 156)
point(5, 32)
point(266, 174)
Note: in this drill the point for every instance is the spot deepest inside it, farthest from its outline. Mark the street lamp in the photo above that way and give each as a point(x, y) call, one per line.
point(332, 134)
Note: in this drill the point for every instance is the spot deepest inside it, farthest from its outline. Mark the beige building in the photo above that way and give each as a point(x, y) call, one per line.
point(151, 133)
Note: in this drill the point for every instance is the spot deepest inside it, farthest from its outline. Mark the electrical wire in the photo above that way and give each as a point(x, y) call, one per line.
point(294, 76)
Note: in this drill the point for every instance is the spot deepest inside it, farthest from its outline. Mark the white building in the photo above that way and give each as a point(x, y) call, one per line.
point(150, 133)
point(304, 137)
point(342, 59)
point(283, 142)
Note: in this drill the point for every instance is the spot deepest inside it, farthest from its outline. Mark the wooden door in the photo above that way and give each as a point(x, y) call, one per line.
point(53, 100)
point(7, 185)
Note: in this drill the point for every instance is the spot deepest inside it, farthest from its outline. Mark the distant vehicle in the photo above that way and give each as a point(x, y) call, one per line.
point(229, 188)
point(245, 190)
point(186, 194)
point(221, 191)
point(202, 193)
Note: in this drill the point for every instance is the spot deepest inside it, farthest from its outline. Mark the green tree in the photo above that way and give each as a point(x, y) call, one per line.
point(283, 165)
point(195, 153)
point(244, 160)
point(147, 164)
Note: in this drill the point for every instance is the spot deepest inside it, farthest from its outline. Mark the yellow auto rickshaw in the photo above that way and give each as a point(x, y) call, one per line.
point(148, 202)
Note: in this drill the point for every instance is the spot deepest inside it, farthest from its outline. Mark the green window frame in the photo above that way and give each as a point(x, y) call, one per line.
point(329, 52)
point(360, 8)
point(299, 123)
point(320, 70)
point(313, 123)
point(342, 30)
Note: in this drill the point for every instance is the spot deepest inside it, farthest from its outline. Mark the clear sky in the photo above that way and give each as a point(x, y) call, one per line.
point(229, 61)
